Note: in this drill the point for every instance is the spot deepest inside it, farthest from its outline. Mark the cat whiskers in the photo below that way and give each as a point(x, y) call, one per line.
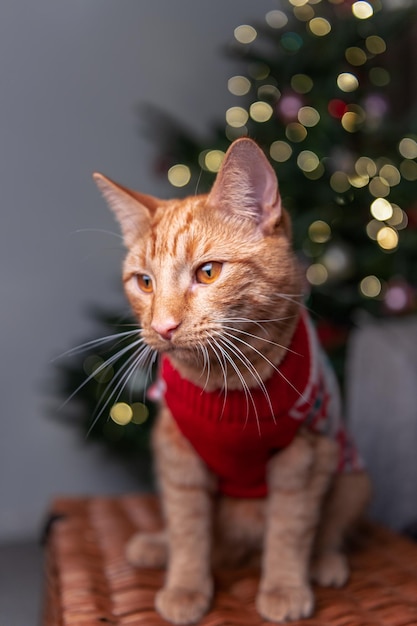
point(267, 360)
point(206, 362)
point(145, 357)
point(239, 354)
point(120, 337)
point(222, 362)
point(224, 349)
point(244, 332)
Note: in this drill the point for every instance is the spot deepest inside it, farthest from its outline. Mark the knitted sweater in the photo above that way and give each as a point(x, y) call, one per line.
point(236, 434)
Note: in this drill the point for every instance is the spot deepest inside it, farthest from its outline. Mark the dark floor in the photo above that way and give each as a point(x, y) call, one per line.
point(21, 581)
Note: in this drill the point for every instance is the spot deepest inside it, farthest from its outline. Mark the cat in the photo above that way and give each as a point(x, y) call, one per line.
point(250, 452)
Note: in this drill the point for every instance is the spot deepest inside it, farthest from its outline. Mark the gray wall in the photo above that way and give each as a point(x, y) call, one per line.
point(71, 75)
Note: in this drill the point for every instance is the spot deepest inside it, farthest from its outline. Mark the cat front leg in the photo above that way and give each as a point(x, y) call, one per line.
point(185, 486)
point(298, 479)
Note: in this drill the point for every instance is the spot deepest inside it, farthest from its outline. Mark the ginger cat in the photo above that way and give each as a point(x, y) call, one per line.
point(249, 447)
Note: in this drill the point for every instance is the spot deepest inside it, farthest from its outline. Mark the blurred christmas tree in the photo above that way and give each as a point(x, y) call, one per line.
point(327, 89)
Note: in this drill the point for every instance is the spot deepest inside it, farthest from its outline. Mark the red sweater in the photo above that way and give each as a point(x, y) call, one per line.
point(236, 440)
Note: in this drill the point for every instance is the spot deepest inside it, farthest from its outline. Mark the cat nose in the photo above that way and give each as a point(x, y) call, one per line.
point(165, 328)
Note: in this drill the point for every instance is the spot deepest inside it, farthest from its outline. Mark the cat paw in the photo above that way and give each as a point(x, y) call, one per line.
point(147, 550)
point(285, 603)
point(330, 569)
point(181, 606)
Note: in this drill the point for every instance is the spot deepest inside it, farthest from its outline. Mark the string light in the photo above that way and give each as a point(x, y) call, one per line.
point(304, 13)
point(350, 121)
point(362, 10)
point(408, 170)
point(399, 218)
point(236, 116)
point(295, 132)
point(378, 187)
point(121, 413)
point(308, 116)
point(258, 71)
point(245, 34)
point(370, 286)
point(239, 85)
point(387, 238)
point(381, 209)
point(211, 160)
point(291, 42)
point(365, 166)
point(140, 413)
point(358, 181)
point(408, 148)
point(307, 161)
point(280, 151)
point(373, 228)
point(179, 175)
point(319, 26)
point(317, 274)
point(260, 111)
point(95, 367)
point(375, 44)
point(339, 182)
point(269, 91)
point(391, 174)
point(301, 83)
point(276, 19)
point(347, 82)
point(356, 56)
point(379, 76)
point(319, 231)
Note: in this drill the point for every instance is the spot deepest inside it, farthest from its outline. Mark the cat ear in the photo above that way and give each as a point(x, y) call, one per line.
point(131, 208)
point(247, 186)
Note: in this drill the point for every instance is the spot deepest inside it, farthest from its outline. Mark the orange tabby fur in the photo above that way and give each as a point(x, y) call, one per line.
point(301, 525)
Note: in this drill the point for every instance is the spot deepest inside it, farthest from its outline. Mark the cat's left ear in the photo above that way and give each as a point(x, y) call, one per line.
point(247, 186)
point(131, 208)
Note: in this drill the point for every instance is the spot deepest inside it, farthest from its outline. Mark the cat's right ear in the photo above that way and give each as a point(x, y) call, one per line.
point(132, 209)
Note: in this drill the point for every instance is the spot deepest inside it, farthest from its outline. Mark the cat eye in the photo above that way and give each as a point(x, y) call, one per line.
point(208, 272)
point(144, 283)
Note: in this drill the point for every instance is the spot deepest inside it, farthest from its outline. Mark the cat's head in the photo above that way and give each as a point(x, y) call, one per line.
point(203, 269)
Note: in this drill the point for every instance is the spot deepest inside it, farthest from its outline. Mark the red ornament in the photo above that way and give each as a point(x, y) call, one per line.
point(337, 108)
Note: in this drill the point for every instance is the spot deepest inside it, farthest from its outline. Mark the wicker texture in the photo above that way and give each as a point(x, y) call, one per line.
point(89, 582)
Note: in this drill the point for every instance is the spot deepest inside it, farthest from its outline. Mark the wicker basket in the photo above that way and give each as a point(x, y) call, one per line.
point(89, 582)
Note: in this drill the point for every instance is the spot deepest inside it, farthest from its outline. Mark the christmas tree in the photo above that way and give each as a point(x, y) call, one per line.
point(325, 89)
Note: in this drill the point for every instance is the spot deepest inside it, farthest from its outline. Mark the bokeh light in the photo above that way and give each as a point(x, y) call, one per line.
point(362, 10)
point(319, 26)
point(245, 33)
point(308, 116)
point(307, 161)
point(408, 148)
point(347, 82)
point(260, 111)
point(301, 83)
point(121, 413)
point(179, 175)
point(280, 151)
point(317, 274)
point(387, 238)
point(276, 19)
point(236, 116)
point(356, 56)
point(295, 132)
point(319, 231)
point(239, 85)
point(381, 209)
point(370, 286)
